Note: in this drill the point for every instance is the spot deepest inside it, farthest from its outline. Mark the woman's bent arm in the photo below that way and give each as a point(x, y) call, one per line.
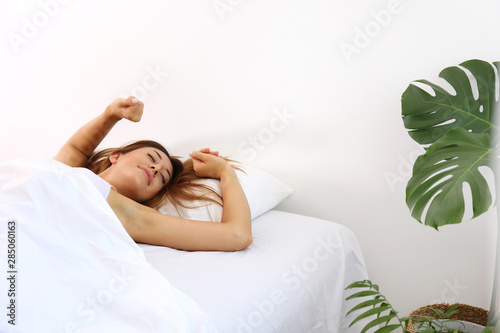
point(82, 144)
point(234, 233)
point(146, 225)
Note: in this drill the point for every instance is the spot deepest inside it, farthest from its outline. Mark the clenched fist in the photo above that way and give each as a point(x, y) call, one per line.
point(126, 108)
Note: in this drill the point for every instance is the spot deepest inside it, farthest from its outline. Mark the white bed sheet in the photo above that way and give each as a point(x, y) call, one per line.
point(290, 280)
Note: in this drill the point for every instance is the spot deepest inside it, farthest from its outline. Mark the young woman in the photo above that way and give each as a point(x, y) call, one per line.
point(142, 173)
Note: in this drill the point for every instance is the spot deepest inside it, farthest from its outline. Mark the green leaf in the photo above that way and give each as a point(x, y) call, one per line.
point(362, 294)
point(369, 313)
point(387, 329)
point(439, 174)
point(366, 304)
point(405, 321)
point(378, 321)
point(439, 313)
point(491, 329)
point(360, 284)
point(429, 117)
point(450, 311)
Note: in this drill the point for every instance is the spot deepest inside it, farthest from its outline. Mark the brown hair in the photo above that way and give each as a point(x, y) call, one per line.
point(184, 186)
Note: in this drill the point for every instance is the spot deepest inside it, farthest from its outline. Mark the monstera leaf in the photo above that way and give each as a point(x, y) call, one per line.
point(428, 117)
point(461, 132)
point(439, 174)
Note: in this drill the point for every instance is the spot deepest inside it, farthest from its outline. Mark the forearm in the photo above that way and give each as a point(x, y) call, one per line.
point(88, 137)
point(82, 144)
point(236, 209)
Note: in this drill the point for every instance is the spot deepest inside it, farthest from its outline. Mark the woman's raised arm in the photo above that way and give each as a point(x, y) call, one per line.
point(82, 144)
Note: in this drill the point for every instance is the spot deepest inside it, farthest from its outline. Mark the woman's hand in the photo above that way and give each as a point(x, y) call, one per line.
point(125, 108)
point(208, 151)
point(207, 163)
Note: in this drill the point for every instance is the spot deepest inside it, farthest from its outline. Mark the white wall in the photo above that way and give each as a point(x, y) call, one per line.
point(225, 68)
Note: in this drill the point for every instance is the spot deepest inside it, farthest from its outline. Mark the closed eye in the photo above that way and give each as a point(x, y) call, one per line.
point(154, 161)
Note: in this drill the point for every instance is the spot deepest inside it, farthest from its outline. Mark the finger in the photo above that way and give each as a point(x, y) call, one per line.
point(124, 102)
point(132, 100)
point(208, 151)
point(138, 103)
point(138, 108)
point(136, 117)
point(197, 155)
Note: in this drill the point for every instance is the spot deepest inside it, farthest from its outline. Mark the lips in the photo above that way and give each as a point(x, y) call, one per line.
point(148, 174)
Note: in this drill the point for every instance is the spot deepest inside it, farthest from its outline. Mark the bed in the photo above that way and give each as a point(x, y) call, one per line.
point(73, 268)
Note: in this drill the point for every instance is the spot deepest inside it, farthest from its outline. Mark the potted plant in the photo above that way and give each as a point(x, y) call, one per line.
point(459, 133)
point(435, 318)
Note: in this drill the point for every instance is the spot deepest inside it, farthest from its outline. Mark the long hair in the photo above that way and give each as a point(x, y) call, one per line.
point(184, 186)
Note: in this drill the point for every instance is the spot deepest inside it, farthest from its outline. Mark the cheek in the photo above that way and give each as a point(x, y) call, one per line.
point(155, 189)
point(135, 187)
point(148, 192)
point(131, 184)
point(133, 178)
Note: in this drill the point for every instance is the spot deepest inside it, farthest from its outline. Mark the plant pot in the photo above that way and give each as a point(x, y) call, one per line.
point(470, 319)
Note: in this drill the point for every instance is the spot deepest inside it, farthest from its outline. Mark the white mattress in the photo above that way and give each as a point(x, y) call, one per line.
point(291, 279)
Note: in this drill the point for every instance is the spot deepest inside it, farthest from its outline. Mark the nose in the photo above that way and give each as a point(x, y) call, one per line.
point(155, 171)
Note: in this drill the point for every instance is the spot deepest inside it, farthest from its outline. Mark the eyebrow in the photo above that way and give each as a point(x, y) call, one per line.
point(168, 171)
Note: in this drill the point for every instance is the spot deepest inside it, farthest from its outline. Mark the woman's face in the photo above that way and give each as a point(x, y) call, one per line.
point(139, 174)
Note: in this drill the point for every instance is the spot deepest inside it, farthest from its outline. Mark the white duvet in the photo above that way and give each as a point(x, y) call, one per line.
point(74, 268)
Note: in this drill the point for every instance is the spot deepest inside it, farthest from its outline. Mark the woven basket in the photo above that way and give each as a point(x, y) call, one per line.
point(464, 313)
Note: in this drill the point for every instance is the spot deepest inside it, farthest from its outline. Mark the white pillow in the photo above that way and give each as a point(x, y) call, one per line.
point(263, 192)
